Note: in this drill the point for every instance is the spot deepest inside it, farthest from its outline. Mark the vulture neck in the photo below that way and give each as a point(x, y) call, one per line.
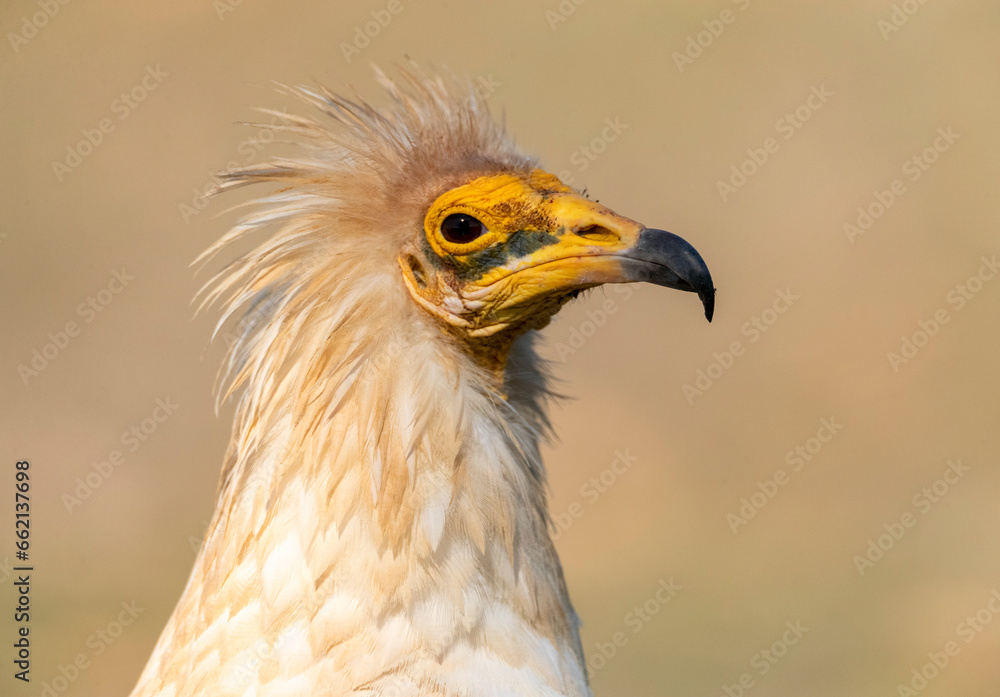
point(385, 531)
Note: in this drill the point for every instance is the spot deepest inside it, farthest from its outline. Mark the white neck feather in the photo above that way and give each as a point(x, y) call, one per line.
point(379, 532)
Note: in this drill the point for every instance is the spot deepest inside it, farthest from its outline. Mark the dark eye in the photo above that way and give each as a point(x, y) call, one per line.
point(460, 228)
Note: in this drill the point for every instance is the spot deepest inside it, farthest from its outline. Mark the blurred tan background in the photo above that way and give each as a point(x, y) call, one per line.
point(840, 98)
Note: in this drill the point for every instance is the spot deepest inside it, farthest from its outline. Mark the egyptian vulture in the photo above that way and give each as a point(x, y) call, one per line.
point(381, 526)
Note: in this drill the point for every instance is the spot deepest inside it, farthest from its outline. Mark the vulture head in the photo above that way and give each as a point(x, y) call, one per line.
point(503, 250)
point(381, 526)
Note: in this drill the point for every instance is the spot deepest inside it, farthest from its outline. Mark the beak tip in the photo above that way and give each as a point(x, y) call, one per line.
point(669, 260)
point(707, 298)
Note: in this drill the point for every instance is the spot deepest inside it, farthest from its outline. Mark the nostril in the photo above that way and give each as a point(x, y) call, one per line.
point(597, 233)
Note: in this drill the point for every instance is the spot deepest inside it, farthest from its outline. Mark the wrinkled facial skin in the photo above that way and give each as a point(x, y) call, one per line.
point(540, 244)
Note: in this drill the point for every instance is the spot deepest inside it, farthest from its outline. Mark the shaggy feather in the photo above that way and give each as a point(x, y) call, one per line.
point(381, 526)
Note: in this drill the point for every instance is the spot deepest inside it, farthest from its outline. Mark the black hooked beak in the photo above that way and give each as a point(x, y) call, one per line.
point(664, 259)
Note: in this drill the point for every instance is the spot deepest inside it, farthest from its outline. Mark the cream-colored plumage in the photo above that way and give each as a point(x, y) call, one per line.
point(381, 528)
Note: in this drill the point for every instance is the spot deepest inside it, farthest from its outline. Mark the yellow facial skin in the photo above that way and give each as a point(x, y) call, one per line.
point(544, 243)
